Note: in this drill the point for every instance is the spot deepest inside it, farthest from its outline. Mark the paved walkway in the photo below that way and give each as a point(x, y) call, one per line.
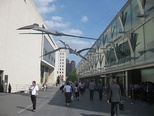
point(51, 103)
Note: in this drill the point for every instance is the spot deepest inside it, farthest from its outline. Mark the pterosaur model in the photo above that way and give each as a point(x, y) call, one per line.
point(36, 27)
point(71, 51)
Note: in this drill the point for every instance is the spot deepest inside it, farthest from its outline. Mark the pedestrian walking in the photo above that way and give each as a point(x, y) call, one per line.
point(33, 92)
point(100, 90)
point(68, 93)
point(82, 87)
point(92, 87)
point(77, 89)
point(44, 87)
point(114, 97)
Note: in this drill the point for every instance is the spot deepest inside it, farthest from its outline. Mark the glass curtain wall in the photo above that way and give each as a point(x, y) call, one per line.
point(138, 44)
point(123, 51)
point(149, 39)
point(141, 38)
point(118, 28)
point(111, 57)
point(126, 18)
point(135, 12)
point(148, 6)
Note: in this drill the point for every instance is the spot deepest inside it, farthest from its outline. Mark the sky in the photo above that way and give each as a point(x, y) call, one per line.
point(79, 17)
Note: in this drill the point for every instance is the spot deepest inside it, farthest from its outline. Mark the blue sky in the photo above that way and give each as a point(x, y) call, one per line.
point(79, 17)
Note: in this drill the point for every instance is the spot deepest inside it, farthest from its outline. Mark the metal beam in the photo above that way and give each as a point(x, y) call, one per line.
point(130, 46)
point(139, 2)
point(121, 23)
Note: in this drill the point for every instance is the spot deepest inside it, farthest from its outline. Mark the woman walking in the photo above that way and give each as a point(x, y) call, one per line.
point(77, 91)
point(68, 93)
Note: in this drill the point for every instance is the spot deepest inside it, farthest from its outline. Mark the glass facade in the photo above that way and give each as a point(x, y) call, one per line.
point(111, 57)
point(138, 40)
point(123, 51)
point(47, 48)
point(126, 18)
point(149, 39)
point(128, 40)
point(148, 6)
point(135, 12)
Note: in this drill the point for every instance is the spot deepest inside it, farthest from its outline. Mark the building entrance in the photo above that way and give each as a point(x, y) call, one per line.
point(1, 81)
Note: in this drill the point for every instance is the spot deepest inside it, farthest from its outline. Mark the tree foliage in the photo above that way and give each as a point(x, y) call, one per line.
point(72, 76)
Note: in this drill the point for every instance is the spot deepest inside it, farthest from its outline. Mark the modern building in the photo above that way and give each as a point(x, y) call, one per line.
point(125, 49)
point(70, 66)
point(61, 66)
point(20, 61)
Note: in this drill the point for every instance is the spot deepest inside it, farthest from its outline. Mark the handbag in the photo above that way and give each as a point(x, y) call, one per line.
point(72, 98)
point(30, 91)
point(121, 106)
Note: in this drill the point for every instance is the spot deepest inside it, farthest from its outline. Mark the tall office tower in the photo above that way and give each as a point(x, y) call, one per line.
point(62, 66)
point(70, 66)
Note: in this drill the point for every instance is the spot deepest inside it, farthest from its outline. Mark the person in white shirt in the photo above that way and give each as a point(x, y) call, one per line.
point(68, 92)
point(34, 92)
point(82, 87)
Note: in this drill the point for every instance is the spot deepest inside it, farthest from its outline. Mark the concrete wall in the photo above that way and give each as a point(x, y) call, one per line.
point(19, 53)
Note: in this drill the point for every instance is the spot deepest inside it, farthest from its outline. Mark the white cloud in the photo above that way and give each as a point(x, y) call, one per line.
point(44, 7)
point(75, 43)
point(73, 32)
point(57, 18)
point(56, 24)
point(43, 2)
point(84, 19)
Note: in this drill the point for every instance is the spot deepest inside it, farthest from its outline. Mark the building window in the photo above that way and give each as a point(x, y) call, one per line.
point(135, 11)
point(126, 18)
point(149, 6)
point(149, 34)
point(137, 41)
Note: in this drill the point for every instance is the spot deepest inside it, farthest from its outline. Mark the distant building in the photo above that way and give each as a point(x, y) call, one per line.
point(62, 65)
point(70, 66)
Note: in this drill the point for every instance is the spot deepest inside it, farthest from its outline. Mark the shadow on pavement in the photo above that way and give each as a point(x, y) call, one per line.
point(91, 115)
point(41, 94)
point(20, 107)
point(83, 104)
point(137, 109)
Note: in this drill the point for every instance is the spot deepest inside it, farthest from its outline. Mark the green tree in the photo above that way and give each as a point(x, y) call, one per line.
point(72, 76)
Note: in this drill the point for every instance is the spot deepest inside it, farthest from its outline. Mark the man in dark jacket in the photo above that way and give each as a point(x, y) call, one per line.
point(100, 90)
point(114, 97)
point(92, 87)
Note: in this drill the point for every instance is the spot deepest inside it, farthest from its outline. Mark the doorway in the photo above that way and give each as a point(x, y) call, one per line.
point(1, 81)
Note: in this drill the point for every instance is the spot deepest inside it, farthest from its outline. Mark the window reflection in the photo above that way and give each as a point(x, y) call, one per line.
point(123, 51)
point(135, 12)
point(111, 57)
point(126, 18)
point(149, 35)
point(138, 43)
point(149, 6)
